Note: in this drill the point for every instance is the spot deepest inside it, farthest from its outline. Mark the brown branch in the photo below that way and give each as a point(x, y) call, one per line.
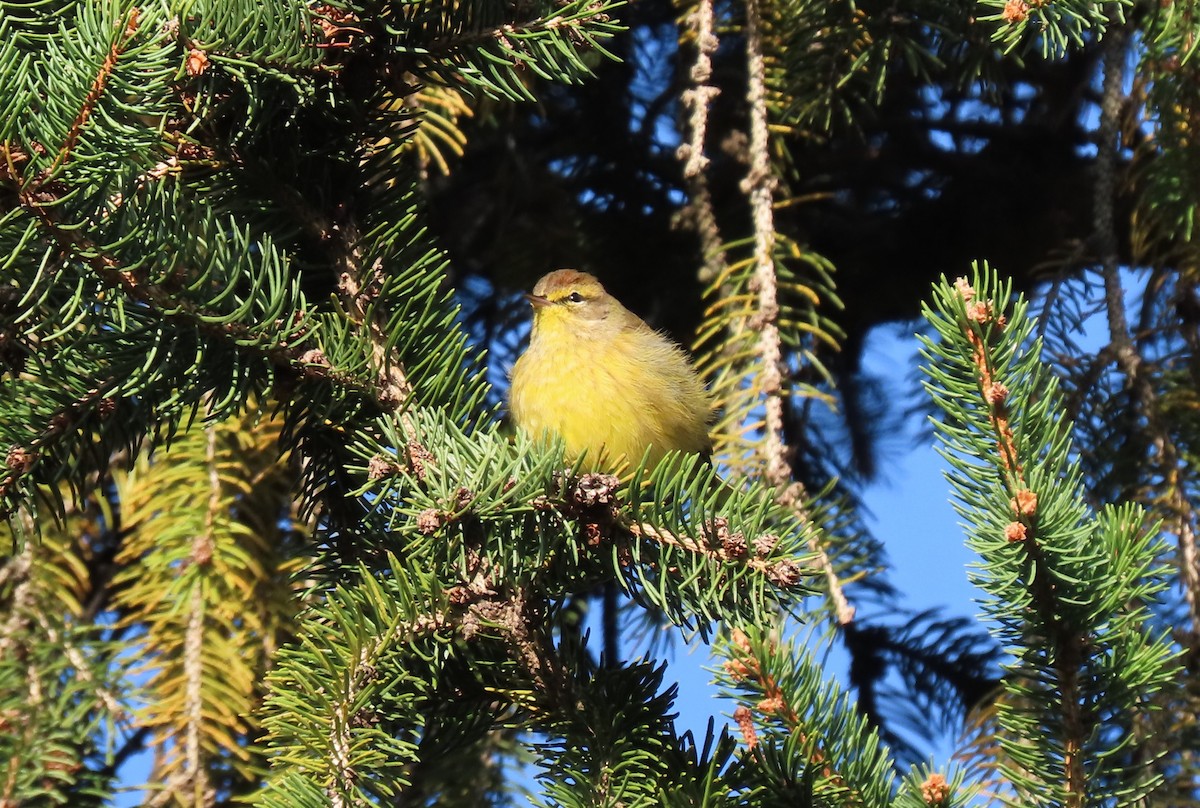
point(696, 100)
point(193, 644)
point(358, 288)
point(1127, 358)
point(784, 573)
point(521, 622)
point(759, 185)
point(129, 28)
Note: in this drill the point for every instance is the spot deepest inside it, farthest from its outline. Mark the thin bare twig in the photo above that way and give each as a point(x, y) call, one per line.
point(696, 99)
point(1124, 350)
point(759, 185)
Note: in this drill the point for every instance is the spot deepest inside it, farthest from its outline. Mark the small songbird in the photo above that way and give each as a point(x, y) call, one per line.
point(605, 382)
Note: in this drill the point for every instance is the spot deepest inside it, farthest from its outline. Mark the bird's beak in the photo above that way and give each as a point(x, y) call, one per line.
point(537, 301)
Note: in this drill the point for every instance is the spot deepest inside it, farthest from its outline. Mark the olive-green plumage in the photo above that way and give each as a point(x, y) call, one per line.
point(607, 383)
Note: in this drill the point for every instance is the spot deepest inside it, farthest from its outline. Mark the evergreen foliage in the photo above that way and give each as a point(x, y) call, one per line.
point(1067, 590)
point(264, 524)
point(203, 586)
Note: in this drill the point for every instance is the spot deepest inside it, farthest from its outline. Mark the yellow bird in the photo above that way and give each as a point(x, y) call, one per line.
point(605, 382)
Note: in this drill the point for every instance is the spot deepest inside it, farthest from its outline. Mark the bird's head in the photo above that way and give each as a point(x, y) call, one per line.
point(569, 298)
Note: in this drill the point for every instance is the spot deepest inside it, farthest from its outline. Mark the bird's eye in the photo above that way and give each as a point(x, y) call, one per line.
point(574, 297)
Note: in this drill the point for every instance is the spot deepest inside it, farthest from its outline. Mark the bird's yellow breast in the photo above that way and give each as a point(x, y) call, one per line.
point(611, 393)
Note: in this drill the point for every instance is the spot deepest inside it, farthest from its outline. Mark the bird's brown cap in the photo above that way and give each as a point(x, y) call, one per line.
point(561, 283)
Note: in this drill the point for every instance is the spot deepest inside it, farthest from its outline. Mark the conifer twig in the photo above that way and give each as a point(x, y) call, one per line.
point(289, 354)
point(501, 33)
point(129, 25)
point(20, 460)
point(193, 643)
point(1067, 655)
point(357, 294)
point(784, 573)
point(193, 672)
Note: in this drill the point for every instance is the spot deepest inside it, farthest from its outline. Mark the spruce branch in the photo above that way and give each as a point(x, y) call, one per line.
point(505, 32)
point(455, 495)
point(744, 665)
point(20, 460)
point(1054, 27)
point(392, 647)
point(368, 314)
point(1068, 590)
point(804, 741)
point(320, 720)
point(128, 28)
point(170, 167)
point(203, 591)
point(481, 608)
point(343, 773)
point(713, 543)
point(358, 288)
point(276, 41)
point(1069, 644)
point(54, 688)
point(288, 349)
point(466, 45)
point(13, 631)
point(759, 185)
point(204, 545)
